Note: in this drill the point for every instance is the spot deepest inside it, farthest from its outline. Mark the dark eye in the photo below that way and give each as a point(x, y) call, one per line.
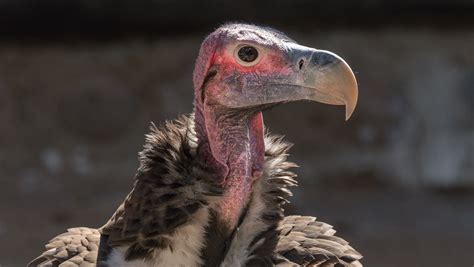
point(248, 53)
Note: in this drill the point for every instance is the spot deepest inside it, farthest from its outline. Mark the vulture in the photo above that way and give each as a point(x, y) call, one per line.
point(211, 185)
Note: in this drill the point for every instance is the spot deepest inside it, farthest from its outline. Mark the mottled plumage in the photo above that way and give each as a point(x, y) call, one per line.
point(172, 190)
point(77, 247)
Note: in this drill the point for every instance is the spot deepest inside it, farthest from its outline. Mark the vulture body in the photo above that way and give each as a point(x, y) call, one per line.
point(211, 186)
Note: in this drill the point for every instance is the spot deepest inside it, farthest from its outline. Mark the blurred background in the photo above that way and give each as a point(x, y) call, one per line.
point(80, 82)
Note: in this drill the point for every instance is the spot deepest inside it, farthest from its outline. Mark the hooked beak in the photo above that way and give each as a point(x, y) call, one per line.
point(328, 79)
point(315, 75)
point(320, 76)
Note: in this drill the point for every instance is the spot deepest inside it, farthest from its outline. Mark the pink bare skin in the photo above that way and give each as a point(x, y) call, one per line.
point(230, 95)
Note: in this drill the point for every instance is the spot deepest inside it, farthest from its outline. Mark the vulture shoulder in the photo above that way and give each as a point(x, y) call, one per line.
point(173, 188)
point(304, 241)
point(77, 247)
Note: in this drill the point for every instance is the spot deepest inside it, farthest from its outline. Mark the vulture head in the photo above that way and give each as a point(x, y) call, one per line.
point(244, 67)
point(242, 70)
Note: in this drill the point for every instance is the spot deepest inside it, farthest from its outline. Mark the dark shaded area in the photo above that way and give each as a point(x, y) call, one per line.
point(80, 82)
point(109, 19)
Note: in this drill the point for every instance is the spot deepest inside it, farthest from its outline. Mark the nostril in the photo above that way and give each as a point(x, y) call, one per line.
point(301, 64)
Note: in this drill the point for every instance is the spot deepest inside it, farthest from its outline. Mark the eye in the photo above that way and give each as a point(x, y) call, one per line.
point(247, 55)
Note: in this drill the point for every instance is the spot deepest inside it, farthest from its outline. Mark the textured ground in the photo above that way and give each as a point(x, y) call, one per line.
point(395, 179)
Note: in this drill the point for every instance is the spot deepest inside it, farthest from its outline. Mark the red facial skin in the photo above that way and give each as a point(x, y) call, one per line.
point(270, 63)
point(234, 147)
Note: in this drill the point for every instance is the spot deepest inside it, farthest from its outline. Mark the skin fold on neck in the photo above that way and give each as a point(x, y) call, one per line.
point(235, 148)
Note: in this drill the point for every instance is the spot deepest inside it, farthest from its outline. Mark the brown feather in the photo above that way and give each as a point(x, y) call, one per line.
point(172, 184)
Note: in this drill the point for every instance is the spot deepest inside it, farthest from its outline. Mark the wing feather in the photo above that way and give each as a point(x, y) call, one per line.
point(304, 241)
point(76, 247)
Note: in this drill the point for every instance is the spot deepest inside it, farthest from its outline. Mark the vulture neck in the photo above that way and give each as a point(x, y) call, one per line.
point(232, 145)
